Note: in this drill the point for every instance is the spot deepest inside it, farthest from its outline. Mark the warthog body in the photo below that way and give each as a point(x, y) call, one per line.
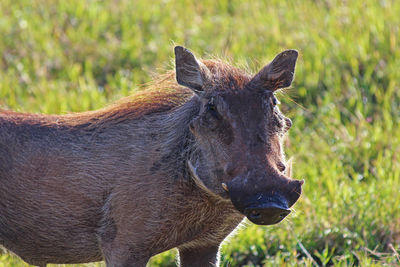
point(173, 166)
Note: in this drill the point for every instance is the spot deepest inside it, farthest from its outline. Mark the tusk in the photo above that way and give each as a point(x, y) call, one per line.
point(199, 182)
point(225, 187)
point(289, 168)
point(195, 177)
point(193, 170)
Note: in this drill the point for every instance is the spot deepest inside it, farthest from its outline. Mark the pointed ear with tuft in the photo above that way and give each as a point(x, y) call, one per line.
point(277, 74)
point(189, 71)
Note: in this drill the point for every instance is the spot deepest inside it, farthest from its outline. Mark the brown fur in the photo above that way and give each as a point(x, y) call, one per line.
point(114, 184)
point(67, 179)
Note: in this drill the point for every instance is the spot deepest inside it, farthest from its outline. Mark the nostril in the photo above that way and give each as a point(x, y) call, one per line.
point(266, 209)
point(255, 214)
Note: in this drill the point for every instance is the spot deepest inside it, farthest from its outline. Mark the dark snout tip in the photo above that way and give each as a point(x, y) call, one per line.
point(267, 210)
point(266, 215)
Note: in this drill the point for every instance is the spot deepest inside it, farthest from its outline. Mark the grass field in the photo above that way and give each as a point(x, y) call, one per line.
point(67, 56)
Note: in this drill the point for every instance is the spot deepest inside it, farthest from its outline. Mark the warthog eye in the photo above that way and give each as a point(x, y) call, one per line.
point(212, 109)
point(210, 117)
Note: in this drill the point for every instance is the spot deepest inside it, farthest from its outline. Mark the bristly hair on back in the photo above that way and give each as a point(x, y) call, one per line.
point(163, 94)
point(160, 95)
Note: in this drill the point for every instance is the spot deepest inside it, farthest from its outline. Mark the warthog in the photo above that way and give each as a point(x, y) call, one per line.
point(174, 166)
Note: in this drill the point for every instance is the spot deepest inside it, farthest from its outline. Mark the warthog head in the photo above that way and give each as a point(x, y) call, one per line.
point(239, 132)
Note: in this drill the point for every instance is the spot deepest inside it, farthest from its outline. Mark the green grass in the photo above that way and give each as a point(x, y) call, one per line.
point(74, 55)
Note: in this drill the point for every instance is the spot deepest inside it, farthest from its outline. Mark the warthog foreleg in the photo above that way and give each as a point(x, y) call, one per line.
point(197, 257)
point(129, 260)
point(122, 255)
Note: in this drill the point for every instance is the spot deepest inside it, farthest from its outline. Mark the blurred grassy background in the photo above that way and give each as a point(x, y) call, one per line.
point(63, 56)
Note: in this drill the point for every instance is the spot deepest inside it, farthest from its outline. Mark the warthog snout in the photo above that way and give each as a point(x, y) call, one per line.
point(267, 209)
point(268, 206)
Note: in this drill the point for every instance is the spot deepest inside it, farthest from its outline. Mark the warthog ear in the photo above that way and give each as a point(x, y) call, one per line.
point(277, 74)
point(189, 71)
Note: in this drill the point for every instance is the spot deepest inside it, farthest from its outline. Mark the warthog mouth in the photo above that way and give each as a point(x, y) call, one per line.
point(199, 183)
